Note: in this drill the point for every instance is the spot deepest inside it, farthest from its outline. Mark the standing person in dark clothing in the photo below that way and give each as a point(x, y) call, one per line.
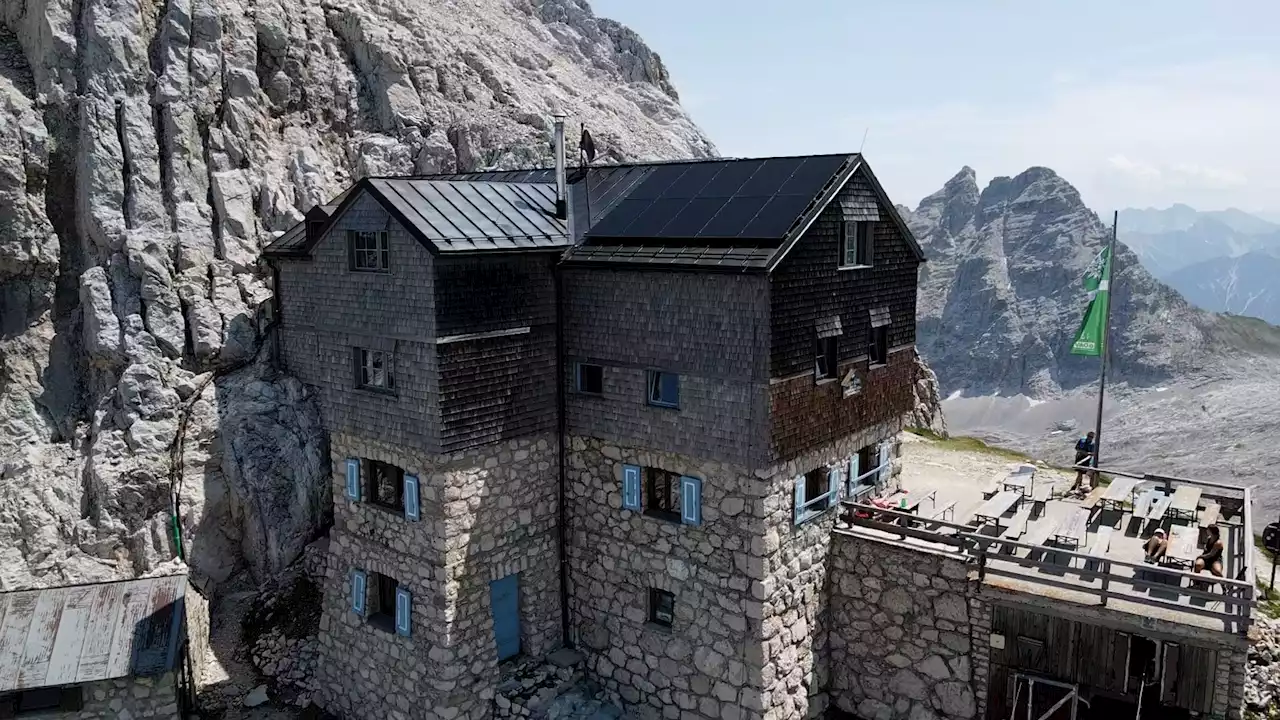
point(1084, 454)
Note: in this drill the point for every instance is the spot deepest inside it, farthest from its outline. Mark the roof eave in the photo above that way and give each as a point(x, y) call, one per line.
point(901, 224)
point(794, 236)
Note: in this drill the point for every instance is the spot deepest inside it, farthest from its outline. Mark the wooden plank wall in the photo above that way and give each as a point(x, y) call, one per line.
point(1090, 655)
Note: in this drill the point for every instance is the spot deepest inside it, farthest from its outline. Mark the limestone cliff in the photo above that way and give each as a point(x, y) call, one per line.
point(147, 152)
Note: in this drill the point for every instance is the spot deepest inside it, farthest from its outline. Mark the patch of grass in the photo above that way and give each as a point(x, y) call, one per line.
point(965, 443)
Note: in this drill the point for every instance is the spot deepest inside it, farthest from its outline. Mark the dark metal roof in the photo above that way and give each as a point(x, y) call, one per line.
point(83, 633)
point(693, 256)
point(476, 215)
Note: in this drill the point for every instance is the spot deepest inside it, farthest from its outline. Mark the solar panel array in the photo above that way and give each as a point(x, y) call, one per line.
point(734, 199)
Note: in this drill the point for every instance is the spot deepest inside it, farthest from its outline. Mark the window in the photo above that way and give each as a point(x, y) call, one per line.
point(385, 484)
point(664, 389)
point(663, 494)
point(817, 485)
point(878, 347)
point(869, 462)
point(816, 490)
point(825, 363)
point(662, 607)
point(589, 379)
point(374, 370)
point(368, 251)
point(855, 245)
point(382, 602)
point(39, 700)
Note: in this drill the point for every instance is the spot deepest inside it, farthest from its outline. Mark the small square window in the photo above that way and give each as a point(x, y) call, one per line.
point(825, 362)
point(663, 490)
point(662, 607)
point(868, 463)
point(878, 347)
point(382, 602)
point(589, 379)
point(817, 483)
point(855, 245)
point(664, 389)
point(374, 370)
point(368, 251)
point(385, 484)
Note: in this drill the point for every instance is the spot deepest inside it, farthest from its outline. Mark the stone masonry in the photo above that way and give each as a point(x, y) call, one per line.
point(132, 698)
point(901, 632)
point(485, 514)
point(748, 584)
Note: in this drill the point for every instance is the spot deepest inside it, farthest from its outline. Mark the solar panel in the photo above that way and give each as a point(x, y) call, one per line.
point(776, 217)
point(812, 174)
point(659, 179)
point(690, 184)
point(733, 217)
point(650, 222)
point(616, 222)
point(689, 221)
point(727, 182)
point(770, 177)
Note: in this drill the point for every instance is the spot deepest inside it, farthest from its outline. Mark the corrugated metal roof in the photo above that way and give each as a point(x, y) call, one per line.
point(83, 633)
point(466, 216)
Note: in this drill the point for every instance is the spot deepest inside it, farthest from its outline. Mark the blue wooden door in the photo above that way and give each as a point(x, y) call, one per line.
point(504, 597)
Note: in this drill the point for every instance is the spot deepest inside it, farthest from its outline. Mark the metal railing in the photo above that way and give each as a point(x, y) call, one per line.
point(1237, 596)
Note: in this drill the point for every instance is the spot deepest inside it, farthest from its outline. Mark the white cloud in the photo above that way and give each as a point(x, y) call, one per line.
point(1206, 133)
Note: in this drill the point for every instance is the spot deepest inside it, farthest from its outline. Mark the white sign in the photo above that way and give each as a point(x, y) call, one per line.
point(997, 641)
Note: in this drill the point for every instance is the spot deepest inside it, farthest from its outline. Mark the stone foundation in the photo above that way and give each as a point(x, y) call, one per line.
point(140, 698)
point(485, 514)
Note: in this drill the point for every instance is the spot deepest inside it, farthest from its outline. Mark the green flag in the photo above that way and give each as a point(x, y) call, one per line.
point(1097, 280)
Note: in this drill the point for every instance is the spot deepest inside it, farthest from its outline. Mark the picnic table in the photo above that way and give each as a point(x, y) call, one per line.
point(1071, 529)
point(1184, 503)
point(1182, 550)
point(1118, 493)
point(993, 509)
point(1019, 482)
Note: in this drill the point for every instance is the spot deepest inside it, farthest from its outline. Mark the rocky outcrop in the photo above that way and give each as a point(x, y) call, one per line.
point(926, 400)
point(147, 152)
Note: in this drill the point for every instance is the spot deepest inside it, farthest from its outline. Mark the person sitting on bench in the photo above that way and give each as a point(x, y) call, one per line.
point(1155, 547)
point(1211, 558)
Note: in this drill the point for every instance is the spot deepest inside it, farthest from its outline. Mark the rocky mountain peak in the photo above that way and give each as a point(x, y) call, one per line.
point(950, 208)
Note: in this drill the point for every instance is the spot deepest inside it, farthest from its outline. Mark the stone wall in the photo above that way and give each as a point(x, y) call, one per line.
point(749, 635)
point(1228, 684)
point(196, 608)
point(485, 513)
point(140, 698)
point(902, 624)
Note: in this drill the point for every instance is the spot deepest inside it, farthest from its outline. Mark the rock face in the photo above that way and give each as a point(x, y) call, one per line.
point(1243, 285)
point(147, 152)
point(926, 413)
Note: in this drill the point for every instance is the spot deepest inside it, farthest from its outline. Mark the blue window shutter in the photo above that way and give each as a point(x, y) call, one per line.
point(631, 487)
point(883, 477)
point(853, 472)
point(833, 483)
point(690, 500)
point(800, 512)
point(411, 510)
point(353, 479)
point(358, 591)
point(403, 601)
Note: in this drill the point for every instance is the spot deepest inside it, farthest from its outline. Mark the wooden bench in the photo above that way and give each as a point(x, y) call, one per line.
point(1040, 497)
point(1091, 500)
point(946, 512)
point(1037, 536)
point(1099, 547)
point(993, 487)
point(1210, 514)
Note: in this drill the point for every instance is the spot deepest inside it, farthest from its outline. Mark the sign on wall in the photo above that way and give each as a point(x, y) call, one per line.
point(851, 383)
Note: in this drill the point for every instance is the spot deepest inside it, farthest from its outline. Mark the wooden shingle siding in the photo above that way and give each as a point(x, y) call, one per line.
point(806, 290)
point(483, 294)
point(327, 309)
point(858, 201)
point(711, 329)
point(497, 388)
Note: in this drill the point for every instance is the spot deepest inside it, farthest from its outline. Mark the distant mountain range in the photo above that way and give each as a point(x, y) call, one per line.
point(1223, 260)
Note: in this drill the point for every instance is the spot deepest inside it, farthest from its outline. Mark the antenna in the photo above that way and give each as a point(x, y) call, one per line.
point(864, 139)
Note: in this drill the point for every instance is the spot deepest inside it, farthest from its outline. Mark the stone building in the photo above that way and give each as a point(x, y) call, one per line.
point(615, 412)
point(110, 650)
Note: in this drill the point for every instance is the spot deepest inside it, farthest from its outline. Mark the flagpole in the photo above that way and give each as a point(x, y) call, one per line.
point(586, 168)
point(1109, 270)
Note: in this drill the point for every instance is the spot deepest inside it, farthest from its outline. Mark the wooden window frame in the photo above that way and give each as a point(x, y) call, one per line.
point(878, 346)
point(366, 370)
point(653, 389)
point(369, 251)
point(826, 358)
point(662, 494)
point(368, 473)
point(662, 607)
point(855, 244)
point(380, 601)
point(579, 374)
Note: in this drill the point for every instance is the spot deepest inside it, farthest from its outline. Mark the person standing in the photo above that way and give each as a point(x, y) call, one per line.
point(1084, 455)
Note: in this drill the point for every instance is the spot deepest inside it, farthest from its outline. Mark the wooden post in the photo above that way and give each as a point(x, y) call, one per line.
point(1106, 580)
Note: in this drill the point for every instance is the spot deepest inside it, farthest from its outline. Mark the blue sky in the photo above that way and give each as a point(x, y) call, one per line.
point(1136, 103)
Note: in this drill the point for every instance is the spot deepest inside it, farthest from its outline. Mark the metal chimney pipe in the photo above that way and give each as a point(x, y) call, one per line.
point(562, 204)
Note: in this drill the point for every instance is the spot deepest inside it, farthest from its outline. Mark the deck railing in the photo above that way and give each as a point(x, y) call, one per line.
point(1097, 575)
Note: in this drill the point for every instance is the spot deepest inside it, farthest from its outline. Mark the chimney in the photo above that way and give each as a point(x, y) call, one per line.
point(562, 204)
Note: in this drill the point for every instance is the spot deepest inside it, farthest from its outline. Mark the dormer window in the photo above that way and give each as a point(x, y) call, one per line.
point(855, 243)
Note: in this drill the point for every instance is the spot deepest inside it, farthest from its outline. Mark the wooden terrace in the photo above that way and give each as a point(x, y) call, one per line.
point(1028, 536)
